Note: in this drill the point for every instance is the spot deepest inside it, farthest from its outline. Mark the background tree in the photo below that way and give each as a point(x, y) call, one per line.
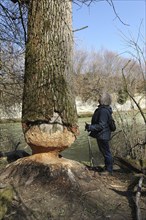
point(13, 19)
point(11, 82)
point(101, 70)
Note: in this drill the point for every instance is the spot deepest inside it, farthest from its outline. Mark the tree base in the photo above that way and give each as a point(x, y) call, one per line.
point(48, 187)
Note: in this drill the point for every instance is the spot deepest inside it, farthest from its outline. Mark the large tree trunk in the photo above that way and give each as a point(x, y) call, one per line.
point(49, 113)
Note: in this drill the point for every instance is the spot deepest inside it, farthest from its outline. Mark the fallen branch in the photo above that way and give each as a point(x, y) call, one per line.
point(127, 165)
point(138, 194)
point(14, 155)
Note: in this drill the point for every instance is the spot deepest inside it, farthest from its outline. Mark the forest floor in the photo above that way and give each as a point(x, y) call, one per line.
point(67, 190)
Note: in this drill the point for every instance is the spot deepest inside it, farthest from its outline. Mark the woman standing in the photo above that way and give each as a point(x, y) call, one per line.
point(100, 129)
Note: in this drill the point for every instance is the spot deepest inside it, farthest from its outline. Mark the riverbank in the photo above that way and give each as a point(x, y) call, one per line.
point(84, 109)
point(89, 107)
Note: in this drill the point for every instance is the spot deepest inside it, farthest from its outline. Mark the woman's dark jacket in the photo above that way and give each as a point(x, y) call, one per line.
point(100, 122)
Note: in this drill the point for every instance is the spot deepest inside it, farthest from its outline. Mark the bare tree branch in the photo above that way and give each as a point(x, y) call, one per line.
point(80, 29)
point(117, 16)
point(110, 2)
point(22, 21)
point(131, 96)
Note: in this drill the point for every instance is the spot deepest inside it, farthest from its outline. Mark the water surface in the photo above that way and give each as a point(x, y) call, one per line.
point(11, 134)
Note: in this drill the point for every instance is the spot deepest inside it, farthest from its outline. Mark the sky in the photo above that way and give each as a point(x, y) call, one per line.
point(105, 30)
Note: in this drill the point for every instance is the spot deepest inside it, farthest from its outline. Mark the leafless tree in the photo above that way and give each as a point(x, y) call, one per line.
point(134, 84)
point(12, 45)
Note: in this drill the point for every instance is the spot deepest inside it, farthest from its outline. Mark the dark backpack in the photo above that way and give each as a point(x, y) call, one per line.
point(112, 124)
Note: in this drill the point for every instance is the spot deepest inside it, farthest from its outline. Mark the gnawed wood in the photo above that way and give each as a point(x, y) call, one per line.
point(31, 169)
point(48, 137)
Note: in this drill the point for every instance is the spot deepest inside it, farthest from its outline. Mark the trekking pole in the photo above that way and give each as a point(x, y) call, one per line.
point(91, 158)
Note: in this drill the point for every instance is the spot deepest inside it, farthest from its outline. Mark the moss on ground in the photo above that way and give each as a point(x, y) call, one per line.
point(6, 196)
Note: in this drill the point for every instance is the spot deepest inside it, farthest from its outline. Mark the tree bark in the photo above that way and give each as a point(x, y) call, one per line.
point(49, 116)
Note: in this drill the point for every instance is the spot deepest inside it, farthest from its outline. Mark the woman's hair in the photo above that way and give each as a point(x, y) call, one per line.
point(105, 99)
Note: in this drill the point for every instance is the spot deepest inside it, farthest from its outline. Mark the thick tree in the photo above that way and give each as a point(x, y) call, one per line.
point(49, 115)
